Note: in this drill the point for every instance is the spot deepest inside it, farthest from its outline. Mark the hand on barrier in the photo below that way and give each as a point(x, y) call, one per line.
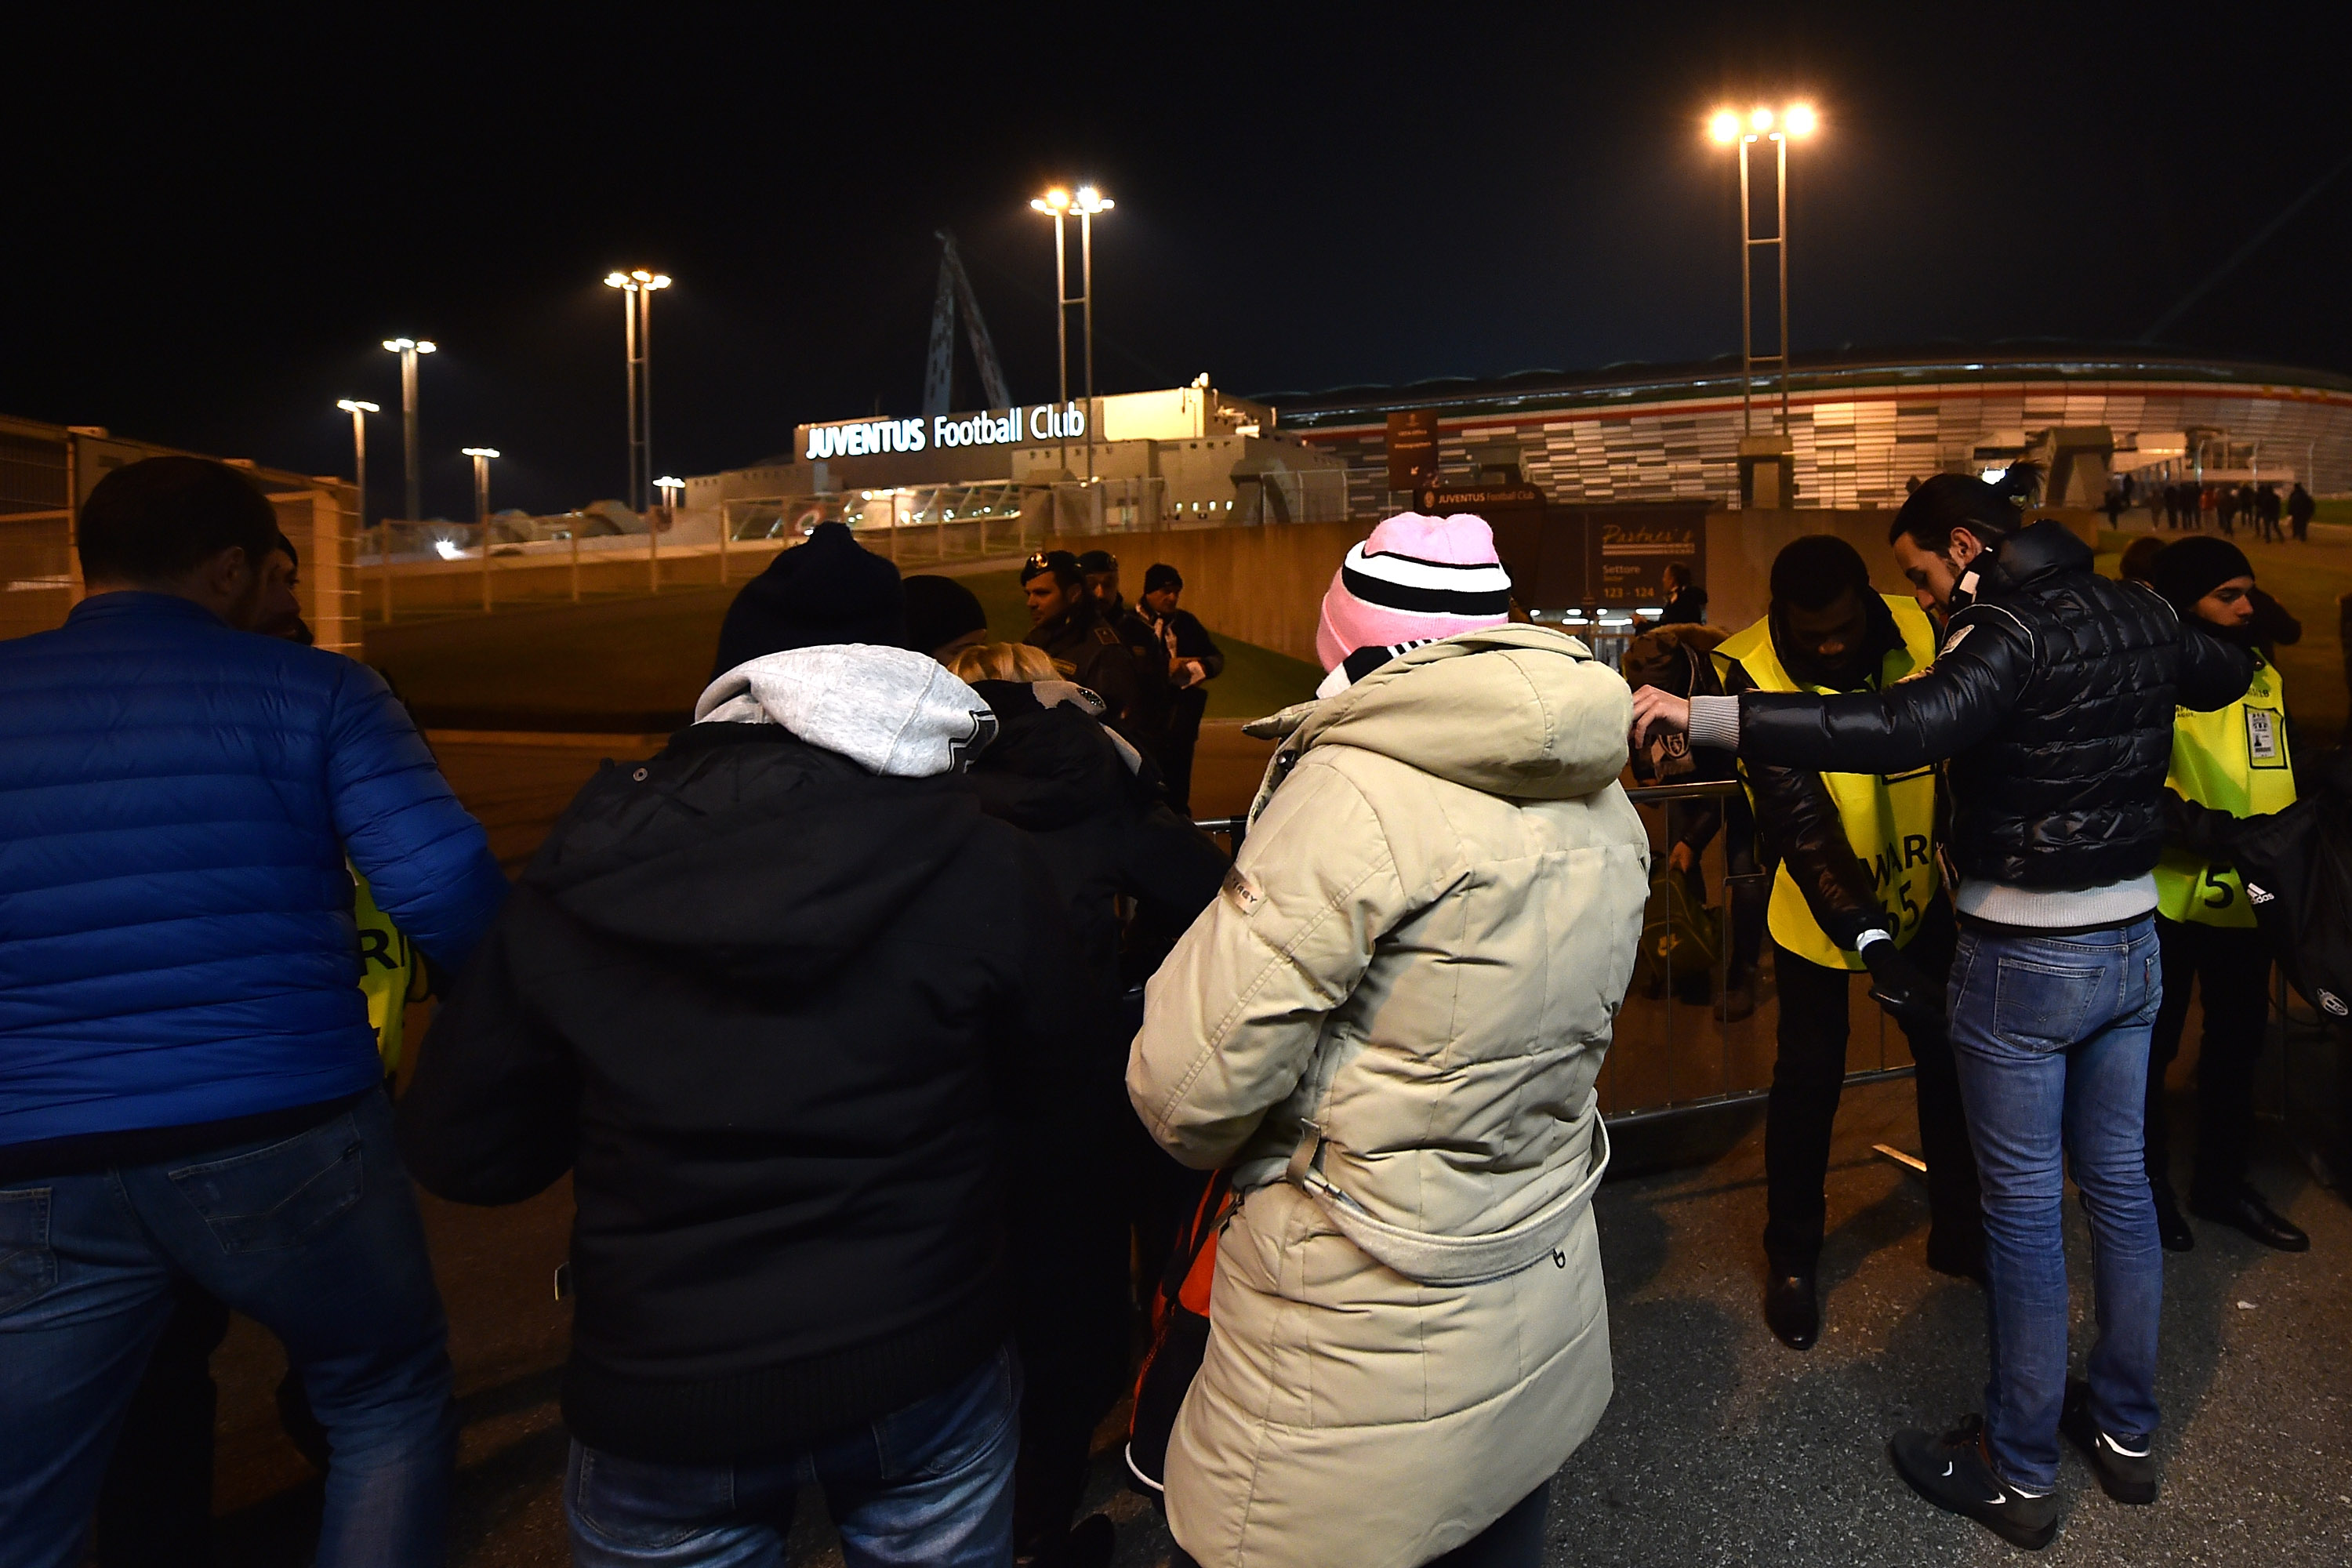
point(1900, 986)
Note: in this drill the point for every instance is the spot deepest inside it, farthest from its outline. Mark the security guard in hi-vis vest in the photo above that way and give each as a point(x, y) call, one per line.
point(388, 975)
point(1859, 888)
point(2227, 766)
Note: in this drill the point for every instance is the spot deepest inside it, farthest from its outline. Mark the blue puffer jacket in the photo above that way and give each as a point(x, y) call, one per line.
point(176, 802)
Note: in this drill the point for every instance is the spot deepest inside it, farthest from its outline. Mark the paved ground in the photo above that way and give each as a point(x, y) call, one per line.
point(1720, 1448)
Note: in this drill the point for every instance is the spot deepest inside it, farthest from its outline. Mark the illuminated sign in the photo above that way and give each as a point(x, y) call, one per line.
point(995, 428)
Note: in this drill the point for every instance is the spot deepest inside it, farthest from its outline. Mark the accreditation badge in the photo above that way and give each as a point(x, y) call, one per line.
point(2263, 747)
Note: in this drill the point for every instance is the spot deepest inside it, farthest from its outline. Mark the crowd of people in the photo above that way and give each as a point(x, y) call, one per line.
point(2187, 504)
point(895, 1023)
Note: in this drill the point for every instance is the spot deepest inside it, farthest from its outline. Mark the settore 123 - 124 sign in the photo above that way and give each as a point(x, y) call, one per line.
point(995, 427)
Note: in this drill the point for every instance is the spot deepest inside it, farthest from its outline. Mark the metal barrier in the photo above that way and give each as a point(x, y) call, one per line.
point(1674, 1059)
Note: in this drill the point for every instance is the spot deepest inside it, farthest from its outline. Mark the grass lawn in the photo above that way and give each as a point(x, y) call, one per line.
point(636, 664)
point(2307, 579)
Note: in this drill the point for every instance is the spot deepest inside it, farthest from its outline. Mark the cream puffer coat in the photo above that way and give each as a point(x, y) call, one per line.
point(1389, 1024)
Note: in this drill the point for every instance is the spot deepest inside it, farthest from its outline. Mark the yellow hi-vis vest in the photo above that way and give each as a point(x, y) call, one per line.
point(2234, 760)
point(387, 969)
point(1889, 820)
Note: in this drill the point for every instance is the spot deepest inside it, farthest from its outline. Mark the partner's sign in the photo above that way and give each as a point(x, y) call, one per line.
point(990, 428)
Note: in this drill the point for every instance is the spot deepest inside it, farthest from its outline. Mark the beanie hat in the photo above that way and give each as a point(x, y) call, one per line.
point(1416, 578)
point(831, 589)
point(938, 611)
point(1159, 574)
point(2188, 569)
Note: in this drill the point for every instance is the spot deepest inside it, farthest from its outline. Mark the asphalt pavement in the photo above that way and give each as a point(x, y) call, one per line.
point(1720, 1448)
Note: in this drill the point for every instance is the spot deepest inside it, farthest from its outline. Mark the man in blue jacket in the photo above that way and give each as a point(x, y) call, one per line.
point(189, 1088)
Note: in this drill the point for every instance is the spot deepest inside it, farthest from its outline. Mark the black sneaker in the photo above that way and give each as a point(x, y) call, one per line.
point(1954, 1472)
point(2125, 1467)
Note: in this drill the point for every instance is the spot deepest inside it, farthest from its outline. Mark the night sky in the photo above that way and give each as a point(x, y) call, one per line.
point(212, 223)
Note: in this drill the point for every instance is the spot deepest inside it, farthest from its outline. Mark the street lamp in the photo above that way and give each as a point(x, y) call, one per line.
point(482, 455)
point(1086, 201)
point(1728, 127)
point(637, 288)
point(359, 411)
point(408, 348)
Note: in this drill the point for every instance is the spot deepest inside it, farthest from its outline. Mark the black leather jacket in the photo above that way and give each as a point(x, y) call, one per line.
point(2053, 697)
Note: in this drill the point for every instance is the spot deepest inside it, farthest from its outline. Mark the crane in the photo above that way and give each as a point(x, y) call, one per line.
point(939, 372)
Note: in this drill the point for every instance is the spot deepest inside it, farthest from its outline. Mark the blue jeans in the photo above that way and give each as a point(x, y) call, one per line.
point(930, 1483)
point(2049, 1038)
point(317, 1237)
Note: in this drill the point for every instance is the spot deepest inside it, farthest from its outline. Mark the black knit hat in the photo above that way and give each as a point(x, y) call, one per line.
point(1159, 574)
point(938, 611)
point(831, 589)
point(2186, 569)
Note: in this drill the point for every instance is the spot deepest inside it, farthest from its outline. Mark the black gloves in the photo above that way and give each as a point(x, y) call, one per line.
point(1897, 984)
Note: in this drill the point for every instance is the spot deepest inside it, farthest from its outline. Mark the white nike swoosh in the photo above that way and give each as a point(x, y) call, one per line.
point(1948, 1472)
point(1999, 1500)
point(2126, 1453)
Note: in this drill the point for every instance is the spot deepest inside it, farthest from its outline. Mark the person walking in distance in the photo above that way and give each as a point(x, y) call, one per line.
point(1859, 888)
point(785, 1004)
point(1193, 660)
point(1408, 1333)
point(2053, 697)
point(194, 1089)
point(2300, 509)
point(2227, 765)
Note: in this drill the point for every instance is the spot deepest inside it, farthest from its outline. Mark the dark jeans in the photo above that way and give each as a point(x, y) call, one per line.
point(2050, 1036)
point(317, 1237)
point(1183, 733)
point(1808, 1076)
point(927, 1484)
point(2231, 968)
point(1514, 1540)
point(156, 1508)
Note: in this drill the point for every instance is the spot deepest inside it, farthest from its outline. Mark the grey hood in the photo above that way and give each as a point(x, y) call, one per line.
point(889, 711)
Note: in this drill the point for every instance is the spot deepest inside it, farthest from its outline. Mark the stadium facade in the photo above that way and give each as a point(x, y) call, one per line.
point(1859, 427)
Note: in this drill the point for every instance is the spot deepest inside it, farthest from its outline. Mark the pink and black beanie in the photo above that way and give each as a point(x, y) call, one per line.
point(1415, 580)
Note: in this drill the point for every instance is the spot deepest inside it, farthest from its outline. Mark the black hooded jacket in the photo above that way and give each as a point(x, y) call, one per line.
point(793, 1027)
point(2052, 695)
point(1052, 771)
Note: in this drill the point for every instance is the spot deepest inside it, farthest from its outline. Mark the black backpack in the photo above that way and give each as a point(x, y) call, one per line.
point(2297, 867)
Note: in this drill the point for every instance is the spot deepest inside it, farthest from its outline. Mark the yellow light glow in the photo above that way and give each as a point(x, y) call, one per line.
point(616, 280)
point(397, 345)
point(642, 276)
point(1724, 127)
point(1056, 200)
point(1761, 120)
point(1800, 119)
point(658, 281)
point(478, 451)
point(426, 346)
point(1090, 200)
point(353, 405)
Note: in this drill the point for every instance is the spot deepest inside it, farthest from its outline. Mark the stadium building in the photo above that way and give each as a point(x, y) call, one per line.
point(1860, 429)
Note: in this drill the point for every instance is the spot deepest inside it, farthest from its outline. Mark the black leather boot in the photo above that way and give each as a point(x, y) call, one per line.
point(1792, 1308)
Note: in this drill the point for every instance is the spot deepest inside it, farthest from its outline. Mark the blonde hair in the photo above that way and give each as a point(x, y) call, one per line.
point(1002, 661)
